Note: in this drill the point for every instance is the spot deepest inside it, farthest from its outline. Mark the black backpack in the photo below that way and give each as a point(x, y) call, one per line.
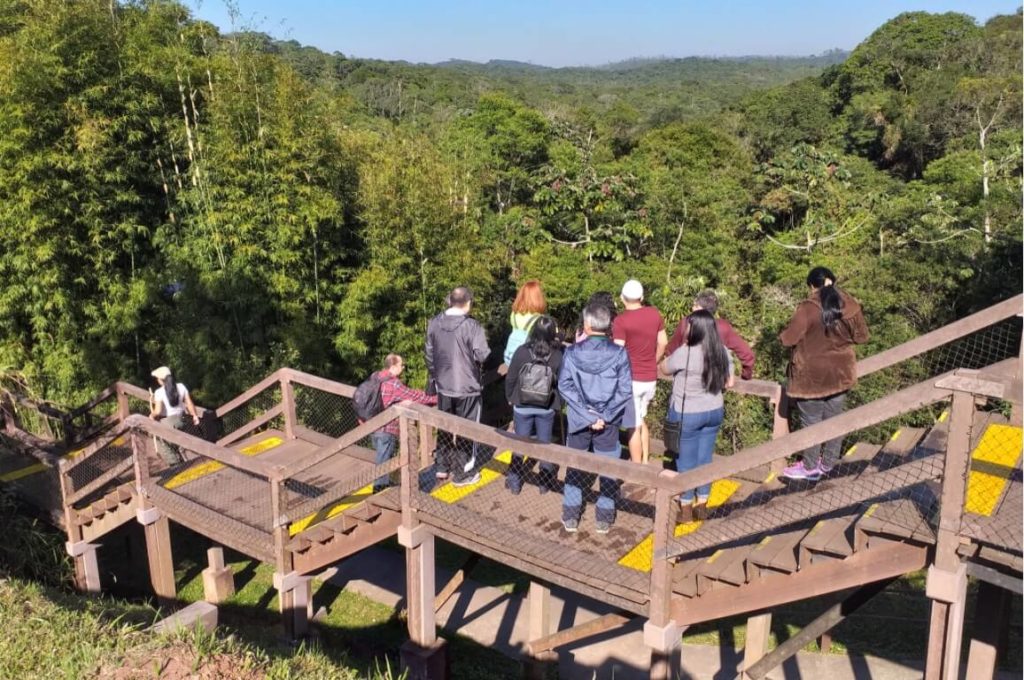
point(536, 383)
point(367, 400)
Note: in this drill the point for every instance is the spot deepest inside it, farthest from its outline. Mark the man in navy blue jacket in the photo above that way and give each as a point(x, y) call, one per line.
point(597, 386)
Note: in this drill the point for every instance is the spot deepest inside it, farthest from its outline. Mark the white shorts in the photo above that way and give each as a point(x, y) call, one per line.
point(643, 393)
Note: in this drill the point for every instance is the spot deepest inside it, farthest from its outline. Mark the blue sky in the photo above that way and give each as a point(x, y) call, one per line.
point(574, 32)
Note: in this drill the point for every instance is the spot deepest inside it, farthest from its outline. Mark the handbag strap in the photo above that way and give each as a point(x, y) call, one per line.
point(686, 372)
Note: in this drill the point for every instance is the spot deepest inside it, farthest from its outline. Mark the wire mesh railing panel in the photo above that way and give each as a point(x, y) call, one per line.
point(982, 348)
point(337, 486)
point(562, 519)
point(117, 453)
point(993, 498)
point(245, 413)
point(232, 492)
point(890, 487)
point(324, 412)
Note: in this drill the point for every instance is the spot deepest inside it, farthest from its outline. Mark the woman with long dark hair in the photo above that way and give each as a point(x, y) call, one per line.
point(530, 387)
point(169, 403)
point(701, 370)
point(823, 365)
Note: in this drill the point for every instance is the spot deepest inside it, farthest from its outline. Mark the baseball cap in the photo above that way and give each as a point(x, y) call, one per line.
point(632, 290)
point(161, 373)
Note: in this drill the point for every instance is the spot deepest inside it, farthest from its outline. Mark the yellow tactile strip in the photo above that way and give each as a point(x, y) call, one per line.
point(449, 493)
point(1000, 445)
point(330, 511)
point(14, 475)
point(641, 556)
point(210, 466)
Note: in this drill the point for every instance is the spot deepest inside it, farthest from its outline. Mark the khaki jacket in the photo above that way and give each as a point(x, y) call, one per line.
point(823, 364)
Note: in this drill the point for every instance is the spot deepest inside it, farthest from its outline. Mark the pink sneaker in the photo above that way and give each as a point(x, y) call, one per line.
point(798, 471)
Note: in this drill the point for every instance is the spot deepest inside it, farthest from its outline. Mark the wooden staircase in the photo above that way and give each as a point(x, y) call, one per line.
point(857, 535)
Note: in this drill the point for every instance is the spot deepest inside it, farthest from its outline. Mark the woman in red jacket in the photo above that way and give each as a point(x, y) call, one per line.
point(823, 366)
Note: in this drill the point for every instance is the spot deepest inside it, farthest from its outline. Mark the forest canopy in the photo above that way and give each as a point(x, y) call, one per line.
point(230, 204)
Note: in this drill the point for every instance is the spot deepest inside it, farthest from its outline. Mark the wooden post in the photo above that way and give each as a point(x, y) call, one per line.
point(947, 581)
point(288, 400)
point(294, 617)
point(158, 552)
point(123, 410)
point(87, 571)
point(535, 666)
point(424, 656)
point(780, 423)
point(759, 628)
point(991, 620)
point(660, 633)
point(1016, 406)
point(218, 579)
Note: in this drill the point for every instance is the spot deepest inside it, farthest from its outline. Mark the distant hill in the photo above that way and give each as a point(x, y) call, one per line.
point(657, 89)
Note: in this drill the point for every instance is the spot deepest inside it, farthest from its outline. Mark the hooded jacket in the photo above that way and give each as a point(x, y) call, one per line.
point(456, 346)
point(596, 384)
point(823, 364)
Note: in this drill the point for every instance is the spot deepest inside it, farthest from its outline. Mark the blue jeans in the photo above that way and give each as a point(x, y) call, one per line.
point(530, 421)
point(605, 444)
point(696, 445)
point(385, 444)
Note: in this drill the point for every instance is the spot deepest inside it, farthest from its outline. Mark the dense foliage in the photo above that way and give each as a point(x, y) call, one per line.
point(228, 204)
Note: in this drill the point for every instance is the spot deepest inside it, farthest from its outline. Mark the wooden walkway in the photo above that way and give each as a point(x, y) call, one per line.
point(292, 485)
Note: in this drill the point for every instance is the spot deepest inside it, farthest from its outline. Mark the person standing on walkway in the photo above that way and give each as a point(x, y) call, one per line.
point(823, 365)
point(597, 386)
point(708, 301)
point(641, 330)
point(169, 404)
point(530, 387)
point(701, 370)
point(456, 346)
point(528, 306)
point(393, 391)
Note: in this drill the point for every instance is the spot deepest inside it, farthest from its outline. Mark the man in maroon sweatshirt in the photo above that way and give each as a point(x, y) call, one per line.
point(708, 301)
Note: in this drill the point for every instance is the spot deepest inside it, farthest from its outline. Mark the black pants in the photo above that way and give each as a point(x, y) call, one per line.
point(457, 455)
point(812, 412)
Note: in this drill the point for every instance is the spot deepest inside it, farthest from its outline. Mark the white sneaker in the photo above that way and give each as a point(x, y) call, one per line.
point(468, 481)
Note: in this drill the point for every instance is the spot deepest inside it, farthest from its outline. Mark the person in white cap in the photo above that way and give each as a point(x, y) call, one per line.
point(641, 330)
point(169, 403)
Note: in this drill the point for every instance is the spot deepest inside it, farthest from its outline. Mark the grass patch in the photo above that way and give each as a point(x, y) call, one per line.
point(67, 636)
point(353, 630)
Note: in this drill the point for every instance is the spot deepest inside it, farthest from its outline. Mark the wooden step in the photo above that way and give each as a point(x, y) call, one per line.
point(900, 519)
point(833, 538)
point(899, 447)
point(684, 577)
point(776, 554)
point(829, 539)
point(724, 568)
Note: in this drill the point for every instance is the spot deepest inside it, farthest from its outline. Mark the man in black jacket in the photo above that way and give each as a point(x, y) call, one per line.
point(456, 346)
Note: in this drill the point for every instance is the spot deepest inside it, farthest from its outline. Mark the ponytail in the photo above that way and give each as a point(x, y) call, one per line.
point(171, 389)
point(828, 295)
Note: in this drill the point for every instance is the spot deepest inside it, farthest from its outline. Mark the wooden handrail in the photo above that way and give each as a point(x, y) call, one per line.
point(316, 382)
point(133, 391)
point(103, 396)
point(554, 453)
point(941, 336)
point(256, 422)
point(269, 381)
point(874, 412)
point(67, 464)
point(343, 442)
point(202, 447)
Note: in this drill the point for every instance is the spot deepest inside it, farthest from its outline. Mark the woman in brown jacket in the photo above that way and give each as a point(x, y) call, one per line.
point(823, 366)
